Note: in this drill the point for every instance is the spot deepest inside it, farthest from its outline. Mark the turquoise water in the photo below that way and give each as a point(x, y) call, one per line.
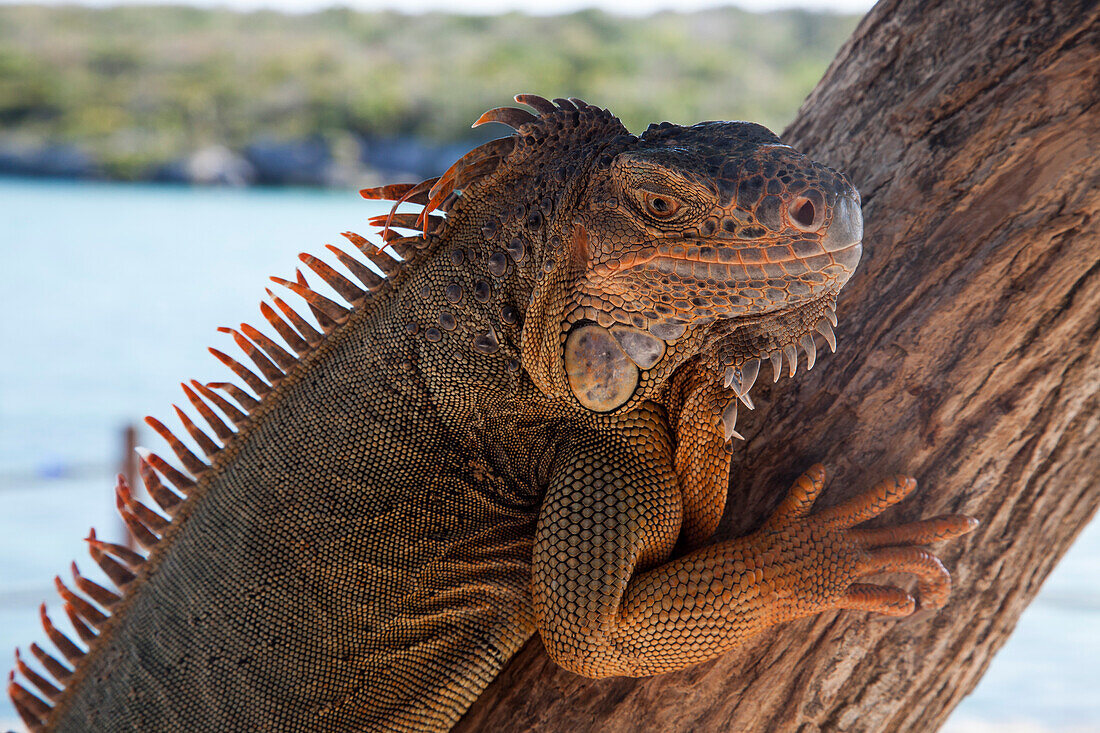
point(111, 293)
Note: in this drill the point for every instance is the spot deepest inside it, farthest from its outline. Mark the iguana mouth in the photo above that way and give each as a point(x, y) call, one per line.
point(729, 264)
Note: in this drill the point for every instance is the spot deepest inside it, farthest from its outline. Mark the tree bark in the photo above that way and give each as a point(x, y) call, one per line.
point(969, 358)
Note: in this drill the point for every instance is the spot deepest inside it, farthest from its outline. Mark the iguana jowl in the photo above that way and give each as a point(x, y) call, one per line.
point(511, 431)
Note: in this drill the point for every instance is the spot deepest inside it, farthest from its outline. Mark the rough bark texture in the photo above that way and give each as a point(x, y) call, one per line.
point(969, 358)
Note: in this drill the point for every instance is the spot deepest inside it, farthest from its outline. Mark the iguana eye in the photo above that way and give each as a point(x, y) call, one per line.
point(660, 206)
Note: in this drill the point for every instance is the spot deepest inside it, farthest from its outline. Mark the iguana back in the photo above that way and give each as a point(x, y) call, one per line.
point(511, 430)
point(317, 537)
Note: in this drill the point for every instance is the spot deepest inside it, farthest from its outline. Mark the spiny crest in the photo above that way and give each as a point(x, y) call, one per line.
point(225, 408)
point(554, 119)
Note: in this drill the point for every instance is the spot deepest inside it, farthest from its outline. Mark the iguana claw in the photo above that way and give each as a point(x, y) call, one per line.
point(871, 551)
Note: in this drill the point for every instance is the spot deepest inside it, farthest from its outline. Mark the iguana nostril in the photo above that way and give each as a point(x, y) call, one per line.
point(803, 213)
point(806, 211)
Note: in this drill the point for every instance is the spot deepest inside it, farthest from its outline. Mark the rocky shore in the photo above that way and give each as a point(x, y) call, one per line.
point(357, 161)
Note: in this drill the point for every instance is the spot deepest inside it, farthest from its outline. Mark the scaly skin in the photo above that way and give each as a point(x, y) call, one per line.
point(511, 432)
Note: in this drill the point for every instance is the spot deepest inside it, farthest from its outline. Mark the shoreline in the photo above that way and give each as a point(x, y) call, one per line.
point(310, 163)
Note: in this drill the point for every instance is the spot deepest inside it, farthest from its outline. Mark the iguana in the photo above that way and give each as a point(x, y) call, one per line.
point(521, 424)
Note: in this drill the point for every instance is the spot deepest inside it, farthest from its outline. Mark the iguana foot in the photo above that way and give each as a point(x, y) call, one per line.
point(822, 557)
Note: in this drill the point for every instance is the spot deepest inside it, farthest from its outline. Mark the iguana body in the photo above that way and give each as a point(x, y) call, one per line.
point(510, 433)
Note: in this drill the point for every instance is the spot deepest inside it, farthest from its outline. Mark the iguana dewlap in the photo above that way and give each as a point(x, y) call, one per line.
point(509, 429)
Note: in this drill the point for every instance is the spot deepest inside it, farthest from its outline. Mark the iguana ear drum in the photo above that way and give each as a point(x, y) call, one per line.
point(601, 374)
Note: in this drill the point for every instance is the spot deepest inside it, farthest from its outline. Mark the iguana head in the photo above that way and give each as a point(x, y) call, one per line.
point(636, 254)
point(715, 241)
point(687, 232)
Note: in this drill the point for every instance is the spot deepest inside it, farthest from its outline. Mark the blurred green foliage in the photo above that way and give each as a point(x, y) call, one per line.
point(138, 85)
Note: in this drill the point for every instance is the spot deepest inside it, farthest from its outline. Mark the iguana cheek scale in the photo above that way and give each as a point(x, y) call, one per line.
point(522, 412)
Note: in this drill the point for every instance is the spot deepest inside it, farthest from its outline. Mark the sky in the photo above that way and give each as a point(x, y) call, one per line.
point(478, 7)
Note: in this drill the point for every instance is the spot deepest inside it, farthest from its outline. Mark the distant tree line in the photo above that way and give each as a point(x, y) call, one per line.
point(130, 91)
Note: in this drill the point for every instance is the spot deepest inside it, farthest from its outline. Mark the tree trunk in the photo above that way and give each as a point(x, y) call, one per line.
point(969, 358)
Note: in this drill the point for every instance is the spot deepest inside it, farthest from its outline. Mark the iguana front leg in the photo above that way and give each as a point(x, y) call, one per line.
point(612, 509)
point(702, 412)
